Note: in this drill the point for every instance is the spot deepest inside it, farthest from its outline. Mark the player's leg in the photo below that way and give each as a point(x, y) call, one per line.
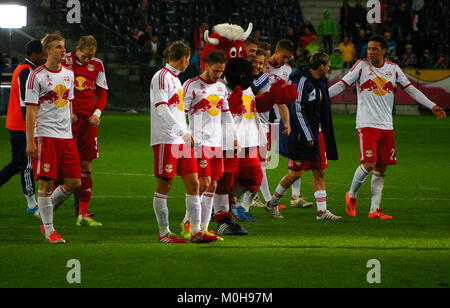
point(193, 205)
point(28, 184)
point(320, 195)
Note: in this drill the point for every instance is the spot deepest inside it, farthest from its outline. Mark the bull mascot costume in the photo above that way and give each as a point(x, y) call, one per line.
point(242, 167)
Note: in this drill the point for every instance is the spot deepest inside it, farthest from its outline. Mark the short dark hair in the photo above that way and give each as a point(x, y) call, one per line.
point(261, 52)
point(380, 39)
point(285, 44)
point(215, 56)
point(264, 46)
point(318, 59)
point(250, 40)
point(176, 50)
point(33, 46)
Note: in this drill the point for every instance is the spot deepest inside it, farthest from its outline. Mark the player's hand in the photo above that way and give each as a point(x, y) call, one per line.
point(286, 131)
point(310, 144)
point(94, 120)
point(189, 139)
point(439, 112)
point(237, 146)
point(73, 118)
point(31, 149)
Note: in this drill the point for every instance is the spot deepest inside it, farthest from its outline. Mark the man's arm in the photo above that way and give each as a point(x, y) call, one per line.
point(284, 114)
point(347, 80)
point(30, 121)
point(171, 123)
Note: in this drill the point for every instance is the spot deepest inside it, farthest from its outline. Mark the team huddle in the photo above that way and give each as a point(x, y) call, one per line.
point(215, 131)
point(232, 107)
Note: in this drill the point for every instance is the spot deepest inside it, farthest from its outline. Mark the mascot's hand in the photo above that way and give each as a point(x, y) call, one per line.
point(282, 94)
point(235, 101)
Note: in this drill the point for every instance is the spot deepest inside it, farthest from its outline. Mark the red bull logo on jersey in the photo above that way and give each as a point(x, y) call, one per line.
point(58, 96)
point(82, 84)
point(177, 100)
point(379, 86)
point(250, 107)
point(168, 168)
point(203, 164)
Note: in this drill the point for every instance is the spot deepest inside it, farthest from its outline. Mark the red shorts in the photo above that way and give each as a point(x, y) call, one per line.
point(57, 159)
point(85, 135)
point(210, 163)
point(306, 165)
point(377, 145)
point(171, 158)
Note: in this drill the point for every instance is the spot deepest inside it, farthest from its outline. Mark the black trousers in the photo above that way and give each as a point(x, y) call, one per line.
point(20, 163)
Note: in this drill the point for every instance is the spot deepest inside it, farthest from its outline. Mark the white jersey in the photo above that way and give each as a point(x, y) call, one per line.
point(264, 116)
point(166, 89)
point(205, 102)
point(248, 125)
point(376, 90)
point(282, 72)
point(52, 92)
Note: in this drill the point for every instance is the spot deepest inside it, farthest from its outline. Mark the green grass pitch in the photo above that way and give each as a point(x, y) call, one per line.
point(298, 251)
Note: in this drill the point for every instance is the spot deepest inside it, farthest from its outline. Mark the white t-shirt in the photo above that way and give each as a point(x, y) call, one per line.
point(205, 102)
point(376, 90)
point(52, 92)
point(166, 88)
point(248, 125)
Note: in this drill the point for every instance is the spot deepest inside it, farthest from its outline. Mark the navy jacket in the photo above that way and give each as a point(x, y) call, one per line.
point(313, 107)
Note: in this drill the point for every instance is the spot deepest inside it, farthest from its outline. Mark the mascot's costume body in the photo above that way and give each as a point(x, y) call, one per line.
point(242, 171)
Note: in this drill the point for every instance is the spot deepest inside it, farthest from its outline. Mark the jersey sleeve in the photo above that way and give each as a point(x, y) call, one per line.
point(23, 77)
point(159, 90)
point(402, 80)
point(353, 74)
point(101, 77)
point(32, 90)
point(188, 96)
point(72, 86)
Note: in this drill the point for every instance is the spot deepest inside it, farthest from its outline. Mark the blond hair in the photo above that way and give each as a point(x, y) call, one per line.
point(87, 41)
point(49, 38)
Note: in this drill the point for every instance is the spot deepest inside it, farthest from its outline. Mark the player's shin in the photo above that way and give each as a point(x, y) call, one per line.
point(359, 178)
point(194, 208)
point(59, 195)
point(84, 194)
point(46, 211)
point(206, 201)
point(377, 185)
point(162, 213)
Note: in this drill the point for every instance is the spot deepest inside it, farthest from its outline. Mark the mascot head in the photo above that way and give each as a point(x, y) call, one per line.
point(228, 38)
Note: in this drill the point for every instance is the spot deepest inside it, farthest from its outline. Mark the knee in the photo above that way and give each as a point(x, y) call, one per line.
point(72, 185)
point(369, 166)
point(193, 187)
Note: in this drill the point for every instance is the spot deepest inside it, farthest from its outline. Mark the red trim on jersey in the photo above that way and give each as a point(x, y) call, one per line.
point(32, 76)
point(161, 103)
point(31, 104)
point(356, 64)
point(188, 83)
point(404, 87)
point(379, 66)
point(161, 78)
point(205, 80)
point(174, 75)
point(346, 84)
point(52, 71)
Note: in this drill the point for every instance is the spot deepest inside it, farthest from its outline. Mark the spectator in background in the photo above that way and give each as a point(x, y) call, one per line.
point(359, 17)
point(257, 34)
point(390, 26)
point(306, 37)
point(155, 44)
point(426, 61)
point(313, 47)
point(409, 59)
point(327, 28)
point(308, 24)
point(391, 45)
point(442, 62)
point(359, 41)
point(299, 58)
point(393, 57)
point(146, 36)
point(199, 41)
point(142, 16)
point(336, 61)
point(346, 20)
point(291, 35)
point(404, 18)
point(348, 51)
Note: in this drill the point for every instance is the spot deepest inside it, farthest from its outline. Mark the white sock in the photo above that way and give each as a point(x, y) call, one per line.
point(162, 213)
point(31, 200)
point(377, 185)
point(186, 217)
point(265, 190)
point(360, 176)
point(246, 200)
point(195, 212)
point(206, 201)
point(59, 195)
point(46, 211)
point(278, 195)
point(321, 200)
point(296, 188)
point(221, 203)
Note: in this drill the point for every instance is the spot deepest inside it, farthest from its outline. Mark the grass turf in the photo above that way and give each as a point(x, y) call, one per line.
point(299, 251)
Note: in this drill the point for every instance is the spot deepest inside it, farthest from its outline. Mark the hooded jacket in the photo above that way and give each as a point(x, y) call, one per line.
point(311, 110)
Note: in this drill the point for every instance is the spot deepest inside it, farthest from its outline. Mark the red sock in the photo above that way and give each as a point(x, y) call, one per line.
point(84, 193)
